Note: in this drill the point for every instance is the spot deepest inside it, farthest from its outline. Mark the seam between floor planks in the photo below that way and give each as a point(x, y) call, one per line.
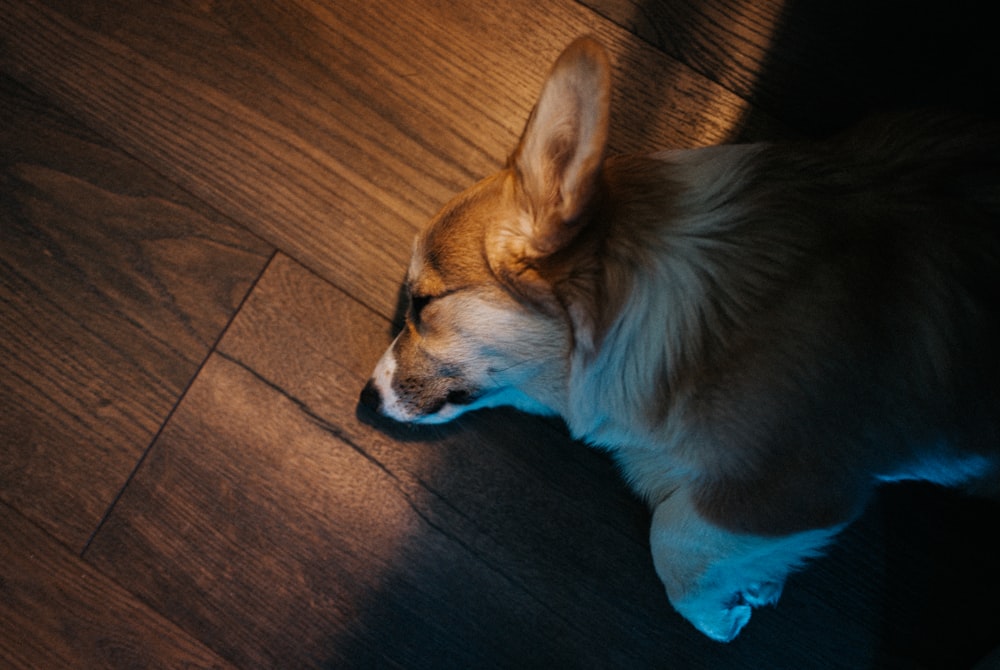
point(173, 409)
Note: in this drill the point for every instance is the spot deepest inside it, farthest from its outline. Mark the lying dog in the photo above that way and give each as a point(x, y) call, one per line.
point(759, 334)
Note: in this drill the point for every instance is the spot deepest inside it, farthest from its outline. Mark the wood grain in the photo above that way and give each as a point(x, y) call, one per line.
point(333, 132)
point(113, 287)
point(273, 518)
point(418, 553)
point(820, 66)
point(728, 41)
point(58, 612)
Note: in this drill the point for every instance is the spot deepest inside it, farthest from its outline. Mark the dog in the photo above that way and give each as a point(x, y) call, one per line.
point(759, 334)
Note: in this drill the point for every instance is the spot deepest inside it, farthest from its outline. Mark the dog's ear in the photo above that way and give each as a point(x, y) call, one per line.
point(558, 160)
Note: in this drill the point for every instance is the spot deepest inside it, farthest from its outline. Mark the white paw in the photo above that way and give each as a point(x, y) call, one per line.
point(763, 593)
point(721, 615)
point(713, 577)
point(721, 624)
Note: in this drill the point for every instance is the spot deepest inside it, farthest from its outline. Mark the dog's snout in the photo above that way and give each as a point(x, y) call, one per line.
point(370, 397)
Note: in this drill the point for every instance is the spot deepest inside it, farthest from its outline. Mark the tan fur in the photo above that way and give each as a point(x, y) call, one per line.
point(760, 334)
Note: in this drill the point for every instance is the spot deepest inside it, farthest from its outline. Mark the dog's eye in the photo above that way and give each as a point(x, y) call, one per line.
point(417, 304)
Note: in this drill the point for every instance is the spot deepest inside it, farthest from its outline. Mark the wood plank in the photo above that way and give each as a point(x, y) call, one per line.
point(333, 132)
point(728, 41)
point(819, 66)
point(58, 612)
point(371, 550)
point(274, 520)
point(113, 287)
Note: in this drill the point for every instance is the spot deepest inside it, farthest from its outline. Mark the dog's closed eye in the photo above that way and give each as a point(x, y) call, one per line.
point(417, 304)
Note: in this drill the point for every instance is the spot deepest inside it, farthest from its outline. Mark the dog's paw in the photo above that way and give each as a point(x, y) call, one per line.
point(720, 621)
point(722, 615)
point(763, 593)
point(714, 577)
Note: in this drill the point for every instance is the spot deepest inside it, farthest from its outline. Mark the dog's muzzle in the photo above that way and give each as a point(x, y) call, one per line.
point(420, 401)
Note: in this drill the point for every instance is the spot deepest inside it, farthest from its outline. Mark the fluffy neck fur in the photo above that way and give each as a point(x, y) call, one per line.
point(701, 259)
point(668, 259)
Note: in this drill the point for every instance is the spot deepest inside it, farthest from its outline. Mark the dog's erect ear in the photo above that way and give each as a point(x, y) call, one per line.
point(559, 157)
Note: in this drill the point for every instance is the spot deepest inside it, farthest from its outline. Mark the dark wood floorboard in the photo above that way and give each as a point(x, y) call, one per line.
point(333, 132)
point(114, 285)
point(422, 549)
point(59, 612)
point(820, 66)
point(270, 524)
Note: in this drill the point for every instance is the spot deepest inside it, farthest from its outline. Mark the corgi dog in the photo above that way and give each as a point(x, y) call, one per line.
point(759, 334)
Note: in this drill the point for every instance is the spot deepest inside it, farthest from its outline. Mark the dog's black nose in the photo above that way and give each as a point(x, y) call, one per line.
point(370, 397)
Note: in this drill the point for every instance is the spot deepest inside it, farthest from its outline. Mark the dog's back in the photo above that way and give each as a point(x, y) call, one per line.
point(850, 331)
point(812, 319)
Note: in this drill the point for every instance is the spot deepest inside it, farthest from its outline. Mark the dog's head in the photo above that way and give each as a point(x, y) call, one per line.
point(488, 323)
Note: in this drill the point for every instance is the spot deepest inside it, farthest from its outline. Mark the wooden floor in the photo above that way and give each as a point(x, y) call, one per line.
point(205, 213)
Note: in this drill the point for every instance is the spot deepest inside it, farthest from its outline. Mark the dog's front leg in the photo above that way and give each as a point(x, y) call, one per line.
point(715, 577)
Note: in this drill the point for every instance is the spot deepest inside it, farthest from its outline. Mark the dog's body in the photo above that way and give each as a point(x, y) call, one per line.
point(760, 334)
